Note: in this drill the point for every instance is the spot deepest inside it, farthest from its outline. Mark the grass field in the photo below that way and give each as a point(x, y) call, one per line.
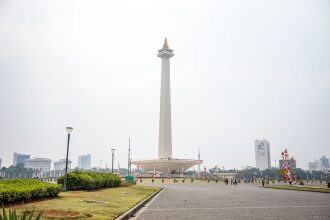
point(68, 205)
point(301, 188)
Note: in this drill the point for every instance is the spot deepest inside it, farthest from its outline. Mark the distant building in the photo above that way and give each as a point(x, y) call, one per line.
point(0, 163)
point(223, 175)
point(60, 165)
point(84, 162)
point(20, 158)
point(262, 152)
point(216, 169)
point(321, 164)
point(42, 164)
point(325, 162)
point(293, 164)
point(315, 165)
point(249, 167)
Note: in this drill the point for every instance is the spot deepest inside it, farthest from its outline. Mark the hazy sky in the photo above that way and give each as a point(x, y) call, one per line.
point(242, 70)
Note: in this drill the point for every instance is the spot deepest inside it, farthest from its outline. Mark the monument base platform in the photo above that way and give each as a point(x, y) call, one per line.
point(165, 165)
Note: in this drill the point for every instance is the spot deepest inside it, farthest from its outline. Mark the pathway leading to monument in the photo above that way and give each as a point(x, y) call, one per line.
point(218, 201)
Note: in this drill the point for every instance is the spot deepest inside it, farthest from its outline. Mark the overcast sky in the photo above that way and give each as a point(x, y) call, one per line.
point(242, 70)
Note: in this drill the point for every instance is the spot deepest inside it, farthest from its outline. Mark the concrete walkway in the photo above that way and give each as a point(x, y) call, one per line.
point(245, 201)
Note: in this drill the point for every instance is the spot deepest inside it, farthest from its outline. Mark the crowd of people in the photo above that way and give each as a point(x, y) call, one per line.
point(265, 181)
point(232, 181)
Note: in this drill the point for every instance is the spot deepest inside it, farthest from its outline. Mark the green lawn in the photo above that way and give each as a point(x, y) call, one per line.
point(67, 205)
point(301, 188)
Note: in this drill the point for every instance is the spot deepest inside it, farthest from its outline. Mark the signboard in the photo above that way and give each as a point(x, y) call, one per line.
point(261, 149)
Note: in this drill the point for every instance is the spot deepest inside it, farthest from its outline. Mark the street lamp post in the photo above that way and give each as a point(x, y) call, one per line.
point(69, 130)
point(129, 158)
point(113, 154)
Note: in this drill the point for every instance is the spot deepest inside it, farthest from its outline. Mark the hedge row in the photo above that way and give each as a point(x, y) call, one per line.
point(20, 189)
point(89, 180)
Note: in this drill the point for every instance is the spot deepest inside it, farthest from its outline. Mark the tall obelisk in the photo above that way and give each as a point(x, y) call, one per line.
point(165, 128)
point(164, 163)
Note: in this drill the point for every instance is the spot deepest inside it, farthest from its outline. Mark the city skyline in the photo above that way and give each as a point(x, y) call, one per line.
point(235, 77)
point(107, 164)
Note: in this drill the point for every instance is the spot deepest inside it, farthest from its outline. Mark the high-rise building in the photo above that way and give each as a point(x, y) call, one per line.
point(84, 162)
point(325, 162)
point(262, 151)
point(42, 164)
point(0, 163)
point(60, 164)
point(20, 158)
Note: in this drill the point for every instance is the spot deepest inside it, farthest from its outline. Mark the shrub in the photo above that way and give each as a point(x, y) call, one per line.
point(89, 180)
point(77, 180)
point(13, 190)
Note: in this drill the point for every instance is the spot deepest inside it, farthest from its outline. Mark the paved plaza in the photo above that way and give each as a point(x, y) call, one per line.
point(245, 201)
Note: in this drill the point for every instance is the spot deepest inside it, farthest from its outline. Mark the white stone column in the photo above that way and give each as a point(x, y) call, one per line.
point(165, 128)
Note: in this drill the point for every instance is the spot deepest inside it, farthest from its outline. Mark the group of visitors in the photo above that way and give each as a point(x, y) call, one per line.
point(265, 182)
point(249, 180)
point(232, 181)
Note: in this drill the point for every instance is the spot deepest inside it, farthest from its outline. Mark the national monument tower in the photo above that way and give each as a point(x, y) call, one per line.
point(165, 163)
point(165, 127)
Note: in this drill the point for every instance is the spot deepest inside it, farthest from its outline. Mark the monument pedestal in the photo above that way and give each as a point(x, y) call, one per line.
point(166, 166)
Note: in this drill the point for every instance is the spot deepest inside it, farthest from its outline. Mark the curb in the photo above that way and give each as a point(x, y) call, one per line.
point(302, 189)
point(128, 214)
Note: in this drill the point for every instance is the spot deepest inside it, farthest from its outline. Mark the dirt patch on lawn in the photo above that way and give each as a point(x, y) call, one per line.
point(53, 213)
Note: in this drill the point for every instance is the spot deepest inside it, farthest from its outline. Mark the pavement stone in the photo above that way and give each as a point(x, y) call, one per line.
point(244, 201)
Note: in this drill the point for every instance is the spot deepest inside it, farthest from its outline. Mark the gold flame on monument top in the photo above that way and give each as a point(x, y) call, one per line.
point(165, 45)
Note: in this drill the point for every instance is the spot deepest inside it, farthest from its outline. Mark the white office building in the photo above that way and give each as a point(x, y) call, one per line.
point(42, 164)
point(262, 151)
point(60, 165)
point(84, 162)
point(319, 164)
